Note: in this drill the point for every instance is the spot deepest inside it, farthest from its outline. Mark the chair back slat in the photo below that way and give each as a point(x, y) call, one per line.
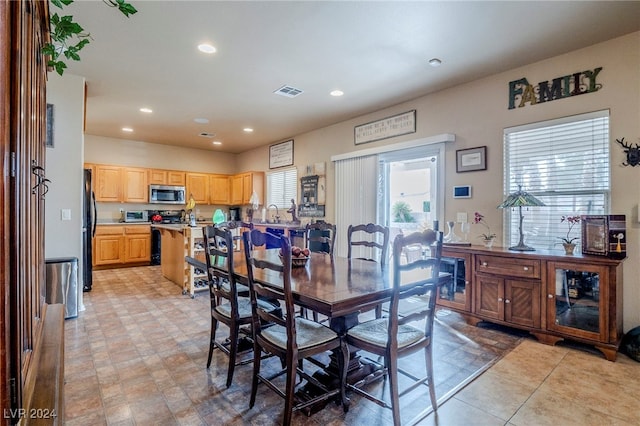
point(220, 268)
point(320, 237)
point(375, 237)
point(409, 281)
point(258, 267)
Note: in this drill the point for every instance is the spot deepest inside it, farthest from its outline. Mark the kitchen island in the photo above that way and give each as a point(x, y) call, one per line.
point(178, 241)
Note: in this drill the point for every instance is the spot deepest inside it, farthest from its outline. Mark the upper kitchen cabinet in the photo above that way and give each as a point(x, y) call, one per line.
point(135, 184)
point(108, 183)
point(244, 184)
point(121, 184)
point(198, 187)
point(219, 189)
point(167, 177)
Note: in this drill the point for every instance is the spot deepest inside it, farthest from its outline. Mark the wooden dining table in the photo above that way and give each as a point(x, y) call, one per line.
point(336, 287)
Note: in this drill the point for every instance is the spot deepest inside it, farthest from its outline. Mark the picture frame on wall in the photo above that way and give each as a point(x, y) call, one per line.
point(281, 154)
point(471, 159)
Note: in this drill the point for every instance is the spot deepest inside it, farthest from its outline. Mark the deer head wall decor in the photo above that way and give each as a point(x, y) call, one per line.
point(633, 153)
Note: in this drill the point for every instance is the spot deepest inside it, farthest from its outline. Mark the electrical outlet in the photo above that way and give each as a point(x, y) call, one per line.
point(121, 210)
point(462, 217)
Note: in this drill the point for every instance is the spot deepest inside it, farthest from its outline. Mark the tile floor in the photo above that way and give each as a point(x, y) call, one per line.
point(137, 355)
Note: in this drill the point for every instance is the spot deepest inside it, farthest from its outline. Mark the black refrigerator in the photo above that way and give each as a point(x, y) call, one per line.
point(88, 230)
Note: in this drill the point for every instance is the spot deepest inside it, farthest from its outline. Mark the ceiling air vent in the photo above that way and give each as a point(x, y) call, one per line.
point(207, 135)
point(288, 91)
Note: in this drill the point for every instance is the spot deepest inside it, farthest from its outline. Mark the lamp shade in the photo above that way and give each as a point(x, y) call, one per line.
point(520, 199)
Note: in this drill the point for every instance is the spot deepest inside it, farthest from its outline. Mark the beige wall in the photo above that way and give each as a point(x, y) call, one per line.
point(478, 112)
point(63, 238)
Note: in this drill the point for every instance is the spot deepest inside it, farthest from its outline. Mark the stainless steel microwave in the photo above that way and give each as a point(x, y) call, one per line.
point(166, 194)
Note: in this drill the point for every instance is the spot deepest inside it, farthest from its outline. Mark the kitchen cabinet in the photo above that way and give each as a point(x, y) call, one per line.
point(121, 184)
point(108, 183)
point(135, 183)
point(137, 244)
point(552, 295)
point(244, 184)
point(119, 245)
point(167, 177)
point(219, 189)
point(198, 187)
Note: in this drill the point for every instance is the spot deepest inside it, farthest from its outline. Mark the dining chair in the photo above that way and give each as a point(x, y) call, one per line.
point(374, 239)
point(320, 237)
point(292, 338)
point(227, 306)
point(397, 336)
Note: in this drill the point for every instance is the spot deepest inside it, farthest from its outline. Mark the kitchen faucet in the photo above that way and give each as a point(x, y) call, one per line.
point(277, 216)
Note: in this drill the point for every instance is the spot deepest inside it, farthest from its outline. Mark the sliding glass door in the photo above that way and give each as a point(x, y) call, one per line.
point(409, 196)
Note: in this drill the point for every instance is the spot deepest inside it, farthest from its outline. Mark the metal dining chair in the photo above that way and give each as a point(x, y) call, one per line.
point(227, 306)
point(395, 337)
point(292, 338)
point(372, 243)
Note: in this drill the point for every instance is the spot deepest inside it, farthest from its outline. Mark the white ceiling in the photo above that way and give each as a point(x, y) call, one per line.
point(377, 52)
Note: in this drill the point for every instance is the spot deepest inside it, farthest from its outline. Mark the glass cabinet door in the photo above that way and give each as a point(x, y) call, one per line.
point(575, 300)
point(456, 293)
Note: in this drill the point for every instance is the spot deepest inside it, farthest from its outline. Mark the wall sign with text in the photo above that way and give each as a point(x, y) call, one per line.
point(281, 154)
point(579, 83)
point(396, 125)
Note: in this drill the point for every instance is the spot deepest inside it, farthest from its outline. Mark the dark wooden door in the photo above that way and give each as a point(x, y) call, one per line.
point(24, 28)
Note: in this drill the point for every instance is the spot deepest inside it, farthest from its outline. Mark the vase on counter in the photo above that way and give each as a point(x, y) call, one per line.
point(569, 248)
point(451, 236)
point(488, 242)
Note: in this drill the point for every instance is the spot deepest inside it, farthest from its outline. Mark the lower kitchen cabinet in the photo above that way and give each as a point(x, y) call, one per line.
point(552, 295)
point(120, 245)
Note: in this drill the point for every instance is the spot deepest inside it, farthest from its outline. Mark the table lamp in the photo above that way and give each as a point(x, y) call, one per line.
point(520, 199)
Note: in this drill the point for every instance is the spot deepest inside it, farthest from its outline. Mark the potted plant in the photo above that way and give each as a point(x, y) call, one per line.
point(568, 241)
point(487, 237)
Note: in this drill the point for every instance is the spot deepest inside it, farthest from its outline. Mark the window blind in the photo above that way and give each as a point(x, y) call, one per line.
point(282, 186)
point(356, 195)
point(565, 164)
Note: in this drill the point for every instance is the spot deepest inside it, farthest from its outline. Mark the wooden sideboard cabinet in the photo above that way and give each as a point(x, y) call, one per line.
point(552, 295)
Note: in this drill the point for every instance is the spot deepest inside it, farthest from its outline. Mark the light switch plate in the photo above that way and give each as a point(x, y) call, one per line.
point(65, 214)
point(462, 217)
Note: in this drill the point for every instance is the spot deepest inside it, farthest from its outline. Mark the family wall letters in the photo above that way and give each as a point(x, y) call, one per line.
point(521, 92)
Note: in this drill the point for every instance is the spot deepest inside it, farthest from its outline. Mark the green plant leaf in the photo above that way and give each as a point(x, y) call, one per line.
point(63, 30)
point(61, 3)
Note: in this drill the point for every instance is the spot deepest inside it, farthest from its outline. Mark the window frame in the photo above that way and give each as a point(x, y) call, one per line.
point(543, 226)
point(287, 181)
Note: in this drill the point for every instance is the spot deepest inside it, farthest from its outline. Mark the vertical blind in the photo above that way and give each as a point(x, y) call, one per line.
point(565, 164)
point(282, 186)
point(356, 191)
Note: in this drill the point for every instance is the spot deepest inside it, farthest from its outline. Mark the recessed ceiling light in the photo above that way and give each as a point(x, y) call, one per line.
point(247, 130)
point(206, 48)
point(201, 120)
point(435, 62)
point(146, 110)
point(127, 129)
point(217, 143)
point(336, 93)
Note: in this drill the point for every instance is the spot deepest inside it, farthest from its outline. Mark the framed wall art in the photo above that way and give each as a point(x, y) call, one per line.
point(388, 127)
point(471, 159)
point(281, 154)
